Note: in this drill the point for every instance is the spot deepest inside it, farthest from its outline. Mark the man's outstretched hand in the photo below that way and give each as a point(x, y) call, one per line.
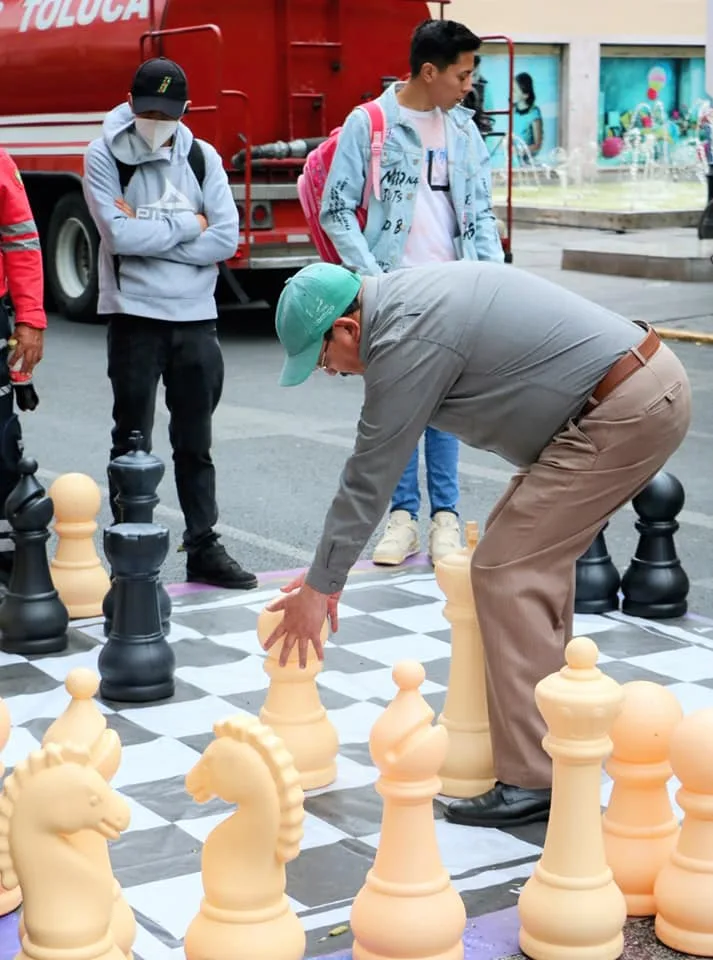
point(305, 610)
point(332, 600)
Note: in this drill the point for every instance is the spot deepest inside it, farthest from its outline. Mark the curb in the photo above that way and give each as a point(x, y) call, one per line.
point(685, 336)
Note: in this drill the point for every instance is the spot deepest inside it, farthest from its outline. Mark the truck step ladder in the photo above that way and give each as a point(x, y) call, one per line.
point(333, 15)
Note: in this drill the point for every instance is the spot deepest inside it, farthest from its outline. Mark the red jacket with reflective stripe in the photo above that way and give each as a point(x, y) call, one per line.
point(20, 256)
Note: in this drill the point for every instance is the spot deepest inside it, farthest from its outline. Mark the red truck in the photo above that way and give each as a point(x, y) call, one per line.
point(269, 79)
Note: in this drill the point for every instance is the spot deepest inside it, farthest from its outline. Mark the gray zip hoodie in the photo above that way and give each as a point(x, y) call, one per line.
point(166, 266)
point(493, 354)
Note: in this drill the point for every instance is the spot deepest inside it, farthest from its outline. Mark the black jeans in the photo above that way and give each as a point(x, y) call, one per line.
point(188, 358)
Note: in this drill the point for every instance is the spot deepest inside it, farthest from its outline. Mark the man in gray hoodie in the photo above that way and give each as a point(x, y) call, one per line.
point(587, 404)
point(166, 217)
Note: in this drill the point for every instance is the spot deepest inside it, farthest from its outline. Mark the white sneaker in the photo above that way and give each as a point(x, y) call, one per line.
point(443, 535)
point(399, 542)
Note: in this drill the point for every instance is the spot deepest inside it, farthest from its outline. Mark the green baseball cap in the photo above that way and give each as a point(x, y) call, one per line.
point(309, 304)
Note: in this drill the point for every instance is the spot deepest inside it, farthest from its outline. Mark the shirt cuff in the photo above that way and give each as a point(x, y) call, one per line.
point(325, 581)
point(36, 318)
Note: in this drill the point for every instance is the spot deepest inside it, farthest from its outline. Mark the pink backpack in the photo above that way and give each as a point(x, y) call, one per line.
point(310, 185)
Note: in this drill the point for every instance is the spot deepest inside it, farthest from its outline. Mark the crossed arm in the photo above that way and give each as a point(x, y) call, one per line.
point(200, 239)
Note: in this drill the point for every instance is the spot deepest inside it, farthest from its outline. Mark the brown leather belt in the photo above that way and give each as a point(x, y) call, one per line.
point(624, 367)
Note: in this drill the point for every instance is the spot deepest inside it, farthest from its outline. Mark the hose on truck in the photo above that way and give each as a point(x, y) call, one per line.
point(279, 150)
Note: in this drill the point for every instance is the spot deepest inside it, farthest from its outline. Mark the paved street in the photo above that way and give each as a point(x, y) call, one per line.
point(279, 452)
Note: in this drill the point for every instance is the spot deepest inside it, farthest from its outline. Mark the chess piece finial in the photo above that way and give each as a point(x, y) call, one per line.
point(29, 493)
point(49, 797)
point(640, 829)
point(33, 619)
point(405, 724)
point(294, 710)
point(408, 907)
point(83, 724)
point(244, 911)
point(571, 907)
point(10, 900)
point(136, 475)
point(684, 887)
point(77, 572)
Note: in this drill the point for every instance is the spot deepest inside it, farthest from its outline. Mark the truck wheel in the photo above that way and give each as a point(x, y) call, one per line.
point(72, 259)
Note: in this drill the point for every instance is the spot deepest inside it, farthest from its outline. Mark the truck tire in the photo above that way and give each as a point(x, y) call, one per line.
point(71, 259)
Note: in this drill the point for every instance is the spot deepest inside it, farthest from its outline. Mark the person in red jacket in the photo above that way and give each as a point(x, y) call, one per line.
point(22, 283)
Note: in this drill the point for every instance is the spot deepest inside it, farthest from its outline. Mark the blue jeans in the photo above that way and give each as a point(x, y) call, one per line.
point(441, 473)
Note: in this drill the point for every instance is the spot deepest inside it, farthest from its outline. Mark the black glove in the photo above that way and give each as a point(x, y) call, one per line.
point(25, 396)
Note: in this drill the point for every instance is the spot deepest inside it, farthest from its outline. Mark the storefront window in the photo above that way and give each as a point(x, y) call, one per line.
point(653, 109)
point(536, 125)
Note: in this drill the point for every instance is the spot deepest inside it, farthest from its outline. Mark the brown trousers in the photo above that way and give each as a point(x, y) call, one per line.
point(524, 567)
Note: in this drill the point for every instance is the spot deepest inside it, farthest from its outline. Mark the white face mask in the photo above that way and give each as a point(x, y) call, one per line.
point(155, 132)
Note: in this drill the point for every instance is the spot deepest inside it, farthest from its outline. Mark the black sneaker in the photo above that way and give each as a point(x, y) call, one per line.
point(212, 564)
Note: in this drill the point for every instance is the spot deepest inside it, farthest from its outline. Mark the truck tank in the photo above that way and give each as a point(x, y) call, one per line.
point(73, 56)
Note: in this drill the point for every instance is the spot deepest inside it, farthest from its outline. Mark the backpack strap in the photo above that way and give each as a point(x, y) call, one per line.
point(196, 161)
point(126, 172)
point(377, 124)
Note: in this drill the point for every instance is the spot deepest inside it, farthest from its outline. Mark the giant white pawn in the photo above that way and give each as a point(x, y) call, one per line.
point(294, 711)
point(77, 573)
point(684, 888)
point(640, 829)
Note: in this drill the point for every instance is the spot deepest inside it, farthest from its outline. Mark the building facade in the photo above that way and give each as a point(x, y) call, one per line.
point(596, 78)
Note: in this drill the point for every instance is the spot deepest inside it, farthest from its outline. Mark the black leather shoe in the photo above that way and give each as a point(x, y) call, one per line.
point(503, 806)
point(213, 565)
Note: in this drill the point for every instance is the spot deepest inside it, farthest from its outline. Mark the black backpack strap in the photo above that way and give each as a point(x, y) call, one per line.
point(196, 161)
point(126, 172)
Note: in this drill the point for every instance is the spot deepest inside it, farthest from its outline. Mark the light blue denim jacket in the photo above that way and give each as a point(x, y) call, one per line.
point(380, 248)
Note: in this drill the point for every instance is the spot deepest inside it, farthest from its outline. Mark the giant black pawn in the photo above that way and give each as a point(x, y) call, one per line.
point(597, 579)
point(136, 476)
point(655, 585)
point(136, 664)
point(33, 619)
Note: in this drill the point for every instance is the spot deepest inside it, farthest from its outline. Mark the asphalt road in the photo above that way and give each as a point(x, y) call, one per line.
point(279, 452)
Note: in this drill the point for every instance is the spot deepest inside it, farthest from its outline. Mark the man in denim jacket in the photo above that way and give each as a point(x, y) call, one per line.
point(435, 205)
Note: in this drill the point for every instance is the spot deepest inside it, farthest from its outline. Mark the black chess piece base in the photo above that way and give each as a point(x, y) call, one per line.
point(119, 693)
point(655, 611)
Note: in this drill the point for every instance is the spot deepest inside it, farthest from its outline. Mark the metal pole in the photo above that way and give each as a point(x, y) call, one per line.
point(709, 87)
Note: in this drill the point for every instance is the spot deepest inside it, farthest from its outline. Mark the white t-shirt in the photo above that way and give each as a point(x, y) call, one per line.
point(434, 223)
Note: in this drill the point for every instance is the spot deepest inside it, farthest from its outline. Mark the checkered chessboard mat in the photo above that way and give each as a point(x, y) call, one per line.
point(220, 672)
